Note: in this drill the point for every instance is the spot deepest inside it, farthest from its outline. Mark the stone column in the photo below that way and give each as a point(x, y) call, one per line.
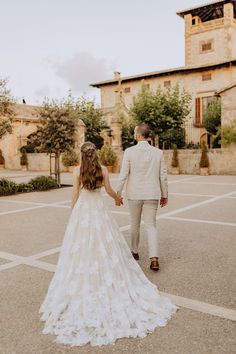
point(188, 26)
point(228, 23)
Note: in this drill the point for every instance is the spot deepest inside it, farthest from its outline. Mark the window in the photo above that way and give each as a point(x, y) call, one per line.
point(206, 77)
point(127, 90)
point(167, 84)
point(193, 21)
point(198, 111)
point(201, 104)
point(206, 101)
point(206, 46)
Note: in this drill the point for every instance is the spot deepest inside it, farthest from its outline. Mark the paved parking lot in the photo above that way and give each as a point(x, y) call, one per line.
point(197, 233)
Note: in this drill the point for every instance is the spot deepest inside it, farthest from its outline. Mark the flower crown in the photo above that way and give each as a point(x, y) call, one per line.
point(88, 149)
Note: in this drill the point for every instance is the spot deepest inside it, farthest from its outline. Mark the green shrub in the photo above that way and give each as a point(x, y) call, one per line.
point(24, 158)
point(204, 162)
point(228, 133)
point(24, 187)
point(29, 148)
point(7, 187)
point(107, 156)
point(70, 158)
point(175, 158)
point(43, 183)
point(2, 160)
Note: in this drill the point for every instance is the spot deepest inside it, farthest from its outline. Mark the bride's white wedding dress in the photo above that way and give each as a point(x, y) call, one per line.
point(98, 292)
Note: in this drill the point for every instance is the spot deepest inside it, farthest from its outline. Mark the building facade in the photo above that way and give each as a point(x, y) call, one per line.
point(25, 123)
point(210, 69)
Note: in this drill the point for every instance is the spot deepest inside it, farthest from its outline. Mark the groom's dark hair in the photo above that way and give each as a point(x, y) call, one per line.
point(144, 130)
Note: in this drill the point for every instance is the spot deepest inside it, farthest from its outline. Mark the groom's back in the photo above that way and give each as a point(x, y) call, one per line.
point(146, 169)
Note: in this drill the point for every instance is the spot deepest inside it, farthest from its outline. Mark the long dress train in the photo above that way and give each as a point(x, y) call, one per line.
point(98, 292)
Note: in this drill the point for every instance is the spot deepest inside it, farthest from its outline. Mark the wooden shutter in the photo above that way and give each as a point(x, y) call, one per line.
point(198, 111)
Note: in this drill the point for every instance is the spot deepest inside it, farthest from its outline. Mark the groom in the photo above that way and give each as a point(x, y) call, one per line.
point(144, 170)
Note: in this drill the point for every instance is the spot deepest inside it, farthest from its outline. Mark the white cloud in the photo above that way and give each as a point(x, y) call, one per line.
point(83, 69)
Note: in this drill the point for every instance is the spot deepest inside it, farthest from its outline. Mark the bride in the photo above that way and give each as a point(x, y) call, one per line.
point(98, 292)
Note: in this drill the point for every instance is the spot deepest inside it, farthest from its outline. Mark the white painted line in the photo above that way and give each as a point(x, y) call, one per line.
point(195, 205)
point(194, 195)
point(46, 253)
point(203, 307)
point(21, 210)
point(184, 179)
point(20, 202)
point(39, 205)
point(199, 195)
point(215, 183)
point(201, 221)
point(189, 207)
point(184, 302)
point(19, 260)
point(9, 265)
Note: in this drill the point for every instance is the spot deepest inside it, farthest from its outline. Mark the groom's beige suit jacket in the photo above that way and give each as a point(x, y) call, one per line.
point(144, 173)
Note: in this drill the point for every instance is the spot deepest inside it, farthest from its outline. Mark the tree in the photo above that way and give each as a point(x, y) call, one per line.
point(212, 119)
point(165, 111)
point(57, 129)
point(227, 133)
point(93, 120)
point(6, 109)
point(175, 157)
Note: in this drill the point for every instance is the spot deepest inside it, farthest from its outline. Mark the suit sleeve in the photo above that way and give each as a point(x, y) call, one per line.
point(163, 177)
point(124, 173)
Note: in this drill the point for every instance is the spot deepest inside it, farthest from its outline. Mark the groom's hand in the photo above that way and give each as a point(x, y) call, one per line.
point(119, 200)
point(163, 202)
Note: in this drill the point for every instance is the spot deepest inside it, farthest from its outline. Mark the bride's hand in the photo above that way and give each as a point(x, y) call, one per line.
point(118, 200)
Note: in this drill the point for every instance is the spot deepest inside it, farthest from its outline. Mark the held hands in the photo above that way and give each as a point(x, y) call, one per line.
point(163, 202)
point(118, 200)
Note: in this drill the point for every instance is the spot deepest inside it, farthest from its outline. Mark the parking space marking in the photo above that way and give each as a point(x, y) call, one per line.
point(184, 179)
point(195, 205)
point(203, 307)
point(215, 183)
point(184, 302)
point(202, 221)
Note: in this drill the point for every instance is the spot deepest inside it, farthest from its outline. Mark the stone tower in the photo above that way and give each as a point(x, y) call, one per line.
point(210, 33)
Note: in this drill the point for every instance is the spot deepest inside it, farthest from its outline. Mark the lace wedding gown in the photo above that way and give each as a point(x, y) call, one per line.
point(98, 292)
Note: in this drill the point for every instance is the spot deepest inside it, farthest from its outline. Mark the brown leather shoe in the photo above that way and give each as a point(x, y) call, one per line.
point(154, 264)
point(135, 255)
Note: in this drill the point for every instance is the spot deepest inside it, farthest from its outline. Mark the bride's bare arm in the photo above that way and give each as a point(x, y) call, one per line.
point(108, 187)
point(76, 187)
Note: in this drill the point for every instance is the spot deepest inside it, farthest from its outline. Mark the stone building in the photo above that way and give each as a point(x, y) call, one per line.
point(25, 123)
point(210, 69)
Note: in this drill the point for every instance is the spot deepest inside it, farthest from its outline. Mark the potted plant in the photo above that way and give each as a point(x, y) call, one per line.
point(2, 161)
point(204, 161)
point(70, 159)
point(107, 157)
point(24, 160)
point(175, 161)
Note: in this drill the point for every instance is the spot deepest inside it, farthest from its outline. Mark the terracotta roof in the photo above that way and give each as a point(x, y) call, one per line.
point(148, 75)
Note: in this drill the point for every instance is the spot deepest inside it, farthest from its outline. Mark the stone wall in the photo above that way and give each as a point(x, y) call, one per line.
point(222, 161)
point(36, 162)
point(228, 106)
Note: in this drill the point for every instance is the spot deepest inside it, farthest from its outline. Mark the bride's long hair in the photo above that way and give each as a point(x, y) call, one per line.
point(91, 176)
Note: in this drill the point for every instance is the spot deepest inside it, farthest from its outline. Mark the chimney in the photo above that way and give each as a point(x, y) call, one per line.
point(117, 75)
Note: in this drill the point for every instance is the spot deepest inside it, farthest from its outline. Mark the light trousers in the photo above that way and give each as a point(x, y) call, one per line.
point(148, 210)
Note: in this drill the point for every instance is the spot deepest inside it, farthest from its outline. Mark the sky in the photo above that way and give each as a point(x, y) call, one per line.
point(48, 47)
